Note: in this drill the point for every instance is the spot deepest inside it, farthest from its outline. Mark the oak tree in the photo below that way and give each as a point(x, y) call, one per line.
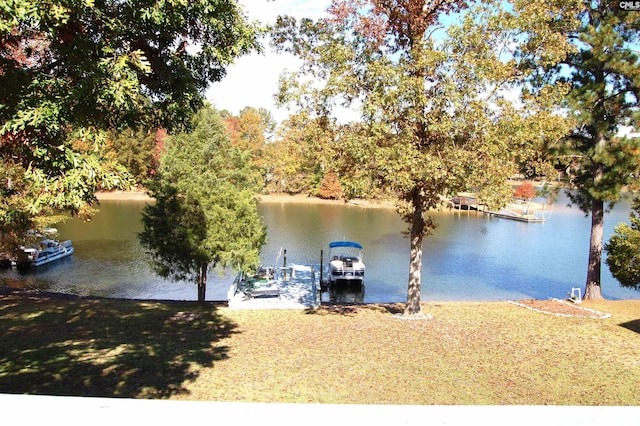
point(435, 105)
point(70, 69)
point(301, 155)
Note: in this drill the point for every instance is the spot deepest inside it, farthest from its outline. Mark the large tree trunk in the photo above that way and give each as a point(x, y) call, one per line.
point(593, 289)
point(412, 306)
point(202, 283)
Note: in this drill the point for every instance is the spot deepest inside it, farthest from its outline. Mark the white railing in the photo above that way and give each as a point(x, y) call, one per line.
point(235, 285)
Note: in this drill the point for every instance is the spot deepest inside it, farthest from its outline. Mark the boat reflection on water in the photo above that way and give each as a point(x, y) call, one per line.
point(346, 292)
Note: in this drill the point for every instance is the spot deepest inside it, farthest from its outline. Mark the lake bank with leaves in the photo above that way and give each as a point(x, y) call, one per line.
point(140, 195)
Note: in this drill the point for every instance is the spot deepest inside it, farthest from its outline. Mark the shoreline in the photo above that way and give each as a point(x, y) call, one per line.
point(119, 195)
point(306, 199)
point(139, 195)
point(550, 306)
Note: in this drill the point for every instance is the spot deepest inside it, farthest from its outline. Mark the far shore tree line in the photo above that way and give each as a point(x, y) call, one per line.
point(453, 96)
point(283, 164)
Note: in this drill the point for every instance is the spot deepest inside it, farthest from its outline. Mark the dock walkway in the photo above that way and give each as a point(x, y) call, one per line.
point(299, 288)
point(530, 212)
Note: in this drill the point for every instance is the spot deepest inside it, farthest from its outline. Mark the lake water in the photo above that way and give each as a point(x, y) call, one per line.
point(471, 256)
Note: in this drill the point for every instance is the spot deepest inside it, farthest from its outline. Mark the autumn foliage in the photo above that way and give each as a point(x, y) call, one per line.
point(330, 188)
point(525, 191)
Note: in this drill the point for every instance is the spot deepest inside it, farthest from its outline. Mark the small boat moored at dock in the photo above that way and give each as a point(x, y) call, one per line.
point(48, 251)
point(345, 262)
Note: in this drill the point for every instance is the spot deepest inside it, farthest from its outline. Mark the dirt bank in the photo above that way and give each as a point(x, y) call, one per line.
point(268, 198)
point(142, 195)
point(305, 199)
point(123, 195)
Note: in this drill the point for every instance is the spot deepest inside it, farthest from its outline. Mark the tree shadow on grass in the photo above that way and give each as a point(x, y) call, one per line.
point(351, 309)
point(632, 325)
point(60, 345)
point(334, 308)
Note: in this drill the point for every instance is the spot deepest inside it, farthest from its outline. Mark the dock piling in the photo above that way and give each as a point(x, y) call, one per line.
point(284, 264)
point(321, 266)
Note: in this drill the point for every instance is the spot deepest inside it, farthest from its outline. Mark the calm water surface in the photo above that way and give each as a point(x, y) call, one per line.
point(469, 257)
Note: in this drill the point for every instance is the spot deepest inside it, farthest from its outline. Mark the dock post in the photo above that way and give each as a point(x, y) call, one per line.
point(284, 264)
point(321, 266)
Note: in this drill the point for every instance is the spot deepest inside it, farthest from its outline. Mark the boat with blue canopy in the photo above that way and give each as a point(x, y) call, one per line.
point(345, 262)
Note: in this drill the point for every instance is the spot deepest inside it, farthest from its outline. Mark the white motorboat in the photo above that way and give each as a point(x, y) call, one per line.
point(48, 251)
point(345, 262)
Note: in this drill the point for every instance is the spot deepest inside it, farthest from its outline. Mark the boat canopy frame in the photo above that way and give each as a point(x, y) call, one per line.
point(352, 244)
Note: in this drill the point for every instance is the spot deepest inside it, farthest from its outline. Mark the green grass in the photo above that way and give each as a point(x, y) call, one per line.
point(468, 353)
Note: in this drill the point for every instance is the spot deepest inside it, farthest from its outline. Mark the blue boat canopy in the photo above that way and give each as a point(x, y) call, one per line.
point(345, 244)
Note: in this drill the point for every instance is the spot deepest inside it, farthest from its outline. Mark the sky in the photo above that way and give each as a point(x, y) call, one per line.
point(253, 79)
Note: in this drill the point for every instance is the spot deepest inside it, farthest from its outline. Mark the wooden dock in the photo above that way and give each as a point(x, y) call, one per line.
point(514, 211)
point(507, 214)
point(294, 287)
point(465, 202)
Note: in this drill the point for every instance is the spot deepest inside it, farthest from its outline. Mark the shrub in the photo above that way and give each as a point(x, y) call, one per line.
point(331, 187)
point(525, 191)
point(623, 250)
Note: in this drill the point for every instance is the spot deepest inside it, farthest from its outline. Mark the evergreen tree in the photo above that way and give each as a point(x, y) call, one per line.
point(604, 73)
point(623, 250)
point(205, 214)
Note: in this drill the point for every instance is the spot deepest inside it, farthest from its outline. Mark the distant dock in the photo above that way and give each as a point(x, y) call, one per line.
point(519, 211)
point(508, 214)
point(465, 202)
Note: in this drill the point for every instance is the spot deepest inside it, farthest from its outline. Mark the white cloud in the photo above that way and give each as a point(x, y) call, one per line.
point(253, 80)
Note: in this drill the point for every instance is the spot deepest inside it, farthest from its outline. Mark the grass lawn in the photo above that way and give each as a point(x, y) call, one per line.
point(468, 353)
